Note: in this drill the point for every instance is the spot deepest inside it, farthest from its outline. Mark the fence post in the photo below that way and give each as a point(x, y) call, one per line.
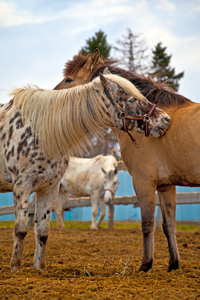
point(159, 219)
point(31, 220)
point(111, 216)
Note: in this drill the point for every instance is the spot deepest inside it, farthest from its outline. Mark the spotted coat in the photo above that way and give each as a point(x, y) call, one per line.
point(25, 169)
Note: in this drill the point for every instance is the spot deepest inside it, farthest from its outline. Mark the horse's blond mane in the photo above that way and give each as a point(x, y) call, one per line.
point(126, 85)
point(62, 119)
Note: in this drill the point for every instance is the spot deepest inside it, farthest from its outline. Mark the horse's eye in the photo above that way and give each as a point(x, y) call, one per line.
point(68, 80)
point(131, 100)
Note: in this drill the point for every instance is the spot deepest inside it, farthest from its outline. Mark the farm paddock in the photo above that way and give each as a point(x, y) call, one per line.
point(103, 264)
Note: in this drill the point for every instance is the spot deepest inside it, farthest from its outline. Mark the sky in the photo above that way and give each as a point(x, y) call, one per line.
point(37, 37)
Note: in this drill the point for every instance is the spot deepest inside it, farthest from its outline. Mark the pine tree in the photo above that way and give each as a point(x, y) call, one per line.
point(108, 141)
point(133, 53)
point(161, 68)
point(98, 41)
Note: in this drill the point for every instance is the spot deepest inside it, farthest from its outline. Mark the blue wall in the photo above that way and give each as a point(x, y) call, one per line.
point(5, 200)
point(186, 212)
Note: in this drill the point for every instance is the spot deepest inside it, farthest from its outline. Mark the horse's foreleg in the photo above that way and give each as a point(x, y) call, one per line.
point(21, 202)
point(146, 198)
point(167, 198)
point(44, 206)
point(102, 211)
point(94, 203)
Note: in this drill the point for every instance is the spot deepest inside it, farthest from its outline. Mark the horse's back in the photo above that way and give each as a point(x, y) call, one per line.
point(82, 175)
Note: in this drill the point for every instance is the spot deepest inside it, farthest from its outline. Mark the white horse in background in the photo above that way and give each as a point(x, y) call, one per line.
point(95, 177)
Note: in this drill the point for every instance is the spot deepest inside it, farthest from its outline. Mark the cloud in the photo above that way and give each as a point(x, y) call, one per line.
point(10, 15)
point(165, 5)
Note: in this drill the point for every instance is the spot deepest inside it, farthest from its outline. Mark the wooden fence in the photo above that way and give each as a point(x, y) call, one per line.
point(182, 198)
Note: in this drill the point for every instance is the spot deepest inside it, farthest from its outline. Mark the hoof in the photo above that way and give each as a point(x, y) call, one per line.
point(15, 269)
point(146, 267)
point(39, 267)
point(174, 266)
point(62, 228)
point(15, 266)
point(93, 227)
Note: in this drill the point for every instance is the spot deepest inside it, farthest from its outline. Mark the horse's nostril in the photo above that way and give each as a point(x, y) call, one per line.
point(167, 119)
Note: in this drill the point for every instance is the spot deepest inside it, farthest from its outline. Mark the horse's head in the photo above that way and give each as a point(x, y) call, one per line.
point(83, 68)
point(110, 184)
point(130, 110)
point(78, 70)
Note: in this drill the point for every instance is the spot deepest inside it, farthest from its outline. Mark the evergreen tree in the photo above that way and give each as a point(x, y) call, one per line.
point(98, 41)
point(133, 53)
point(108, 141)
point(161, 68)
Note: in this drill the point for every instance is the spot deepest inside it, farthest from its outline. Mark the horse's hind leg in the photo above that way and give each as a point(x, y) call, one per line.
point(43, 210)
point(146, 197)
point(21, 202)
point(167, 198)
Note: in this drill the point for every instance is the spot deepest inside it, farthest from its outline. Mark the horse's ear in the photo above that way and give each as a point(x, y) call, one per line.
point(103, 170)
point(92, 60)
point(106, 71)
point(108, 84)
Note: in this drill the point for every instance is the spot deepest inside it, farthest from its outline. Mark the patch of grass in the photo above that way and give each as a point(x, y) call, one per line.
point(187, 227)
point(104, 224)
point(122, 224)
point(73, 224)
point(6, 224)
point(180, 226)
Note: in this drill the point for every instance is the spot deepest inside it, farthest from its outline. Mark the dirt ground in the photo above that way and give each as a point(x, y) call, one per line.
point(103, 264)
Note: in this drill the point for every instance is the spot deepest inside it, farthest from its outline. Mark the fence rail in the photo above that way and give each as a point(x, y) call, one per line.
point(181, 198)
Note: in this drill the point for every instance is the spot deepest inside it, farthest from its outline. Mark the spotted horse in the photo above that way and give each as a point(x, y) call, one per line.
point(38, 129)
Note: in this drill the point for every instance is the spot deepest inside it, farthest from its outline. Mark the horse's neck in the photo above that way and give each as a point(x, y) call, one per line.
point(119, 133)
point(77, 112)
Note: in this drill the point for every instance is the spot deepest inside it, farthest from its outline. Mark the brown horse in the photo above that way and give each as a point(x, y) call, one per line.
point(159, 164)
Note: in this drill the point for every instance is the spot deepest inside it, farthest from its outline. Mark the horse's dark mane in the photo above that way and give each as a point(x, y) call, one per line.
point(156, 92)
point(78, 62)
point(74, 65)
